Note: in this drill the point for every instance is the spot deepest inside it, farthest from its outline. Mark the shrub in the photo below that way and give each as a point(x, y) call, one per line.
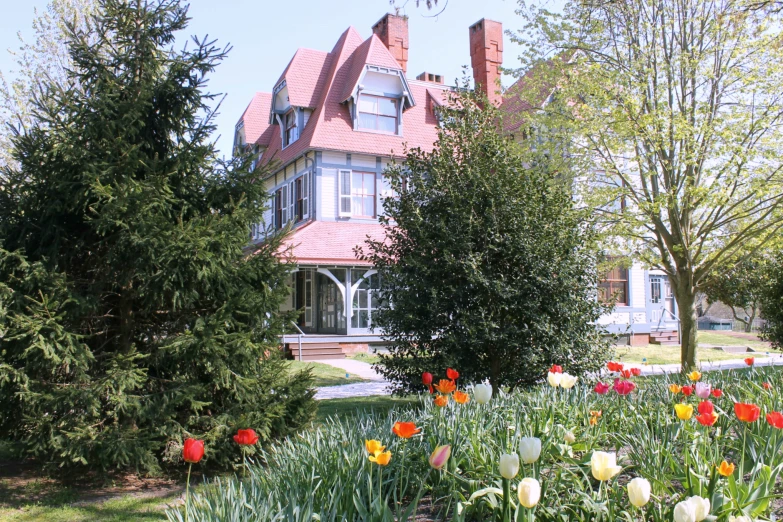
point(131, 314)
point(486, 265)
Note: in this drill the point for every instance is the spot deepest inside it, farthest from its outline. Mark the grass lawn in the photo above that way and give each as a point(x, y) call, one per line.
point(378, 404)
point(658, 354)
point(721, 339)
point(326, 375)
point(368, 358)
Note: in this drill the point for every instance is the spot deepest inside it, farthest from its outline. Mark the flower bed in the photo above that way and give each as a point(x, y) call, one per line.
point(682, 448)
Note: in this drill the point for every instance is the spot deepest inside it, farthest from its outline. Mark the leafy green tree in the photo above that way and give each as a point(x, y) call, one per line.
point(740, 288)
point(772, 301)
point(131, 313)
point(675, 108)
point(486, 267)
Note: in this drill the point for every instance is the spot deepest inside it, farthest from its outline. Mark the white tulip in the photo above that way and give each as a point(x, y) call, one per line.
point(683, 512)
point(509, 465)
point(741, 518)
point(569, 437)
point(701, 507)
point(482, 393)
point(529, 492)
point(554, 379)
point(529, 449)
point(567, 381)
point(639, 492)
point(604, 465)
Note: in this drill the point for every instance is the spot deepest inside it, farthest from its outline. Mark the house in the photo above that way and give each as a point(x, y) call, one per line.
point(331, 124)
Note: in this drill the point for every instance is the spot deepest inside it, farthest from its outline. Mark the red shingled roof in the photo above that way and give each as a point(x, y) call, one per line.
point(256, 119)
point(332, 241)
point(330, 126)
point(305, 76)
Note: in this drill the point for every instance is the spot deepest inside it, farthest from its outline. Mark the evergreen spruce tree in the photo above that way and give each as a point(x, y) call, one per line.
point(131, 313)
point(486, 267)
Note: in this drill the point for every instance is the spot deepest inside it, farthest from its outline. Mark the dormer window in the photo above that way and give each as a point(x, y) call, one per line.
point(290, 133)
point(378, 113)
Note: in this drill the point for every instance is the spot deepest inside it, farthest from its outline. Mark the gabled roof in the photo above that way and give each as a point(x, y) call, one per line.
point(370, 52)
point(330, 127)
point(305, 76)
point(256, 119)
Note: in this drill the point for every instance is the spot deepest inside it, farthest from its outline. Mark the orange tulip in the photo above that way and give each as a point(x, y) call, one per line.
point(725, 468)
point(445, 386)
point(747, 412)
point(441, 400)
point(452, 374)
point(405, 430)
point(675, 388)
point(461, 397)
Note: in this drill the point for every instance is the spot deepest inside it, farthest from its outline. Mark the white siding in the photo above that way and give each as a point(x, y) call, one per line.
point(358, 160)
point(300, 165)
point(385, 83)
point(338, 158)
point(326, 191)
point(637, 284)
point(288, 304)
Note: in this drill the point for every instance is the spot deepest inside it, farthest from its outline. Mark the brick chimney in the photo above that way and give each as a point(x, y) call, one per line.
point(393, 32)
point(486, 57)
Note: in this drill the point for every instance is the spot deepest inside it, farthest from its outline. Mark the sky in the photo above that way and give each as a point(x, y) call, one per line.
point(265, 34)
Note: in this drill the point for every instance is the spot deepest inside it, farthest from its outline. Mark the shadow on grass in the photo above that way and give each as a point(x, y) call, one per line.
point(380, 404)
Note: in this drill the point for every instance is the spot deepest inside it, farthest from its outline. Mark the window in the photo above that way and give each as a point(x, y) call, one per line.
point(291, 201)
point(363, 194)
point(365, 298)
point(345, 193)
point(290, 134)
point(613, 289)
point(378, 113)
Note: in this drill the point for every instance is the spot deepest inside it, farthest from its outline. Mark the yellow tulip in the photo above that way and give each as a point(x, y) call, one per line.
point(374, 446)
point(675, 388)
point(694, 375)
point(381, 458)
point(684, 411)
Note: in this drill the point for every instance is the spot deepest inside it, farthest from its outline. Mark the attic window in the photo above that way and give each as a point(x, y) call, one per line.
point(290, 133)
point(378, 113)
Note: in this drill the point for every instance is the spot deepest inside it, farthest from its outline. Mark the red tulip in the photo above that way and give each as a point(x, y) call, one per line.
point(601, 388)
point(767, 386)
point(623, 387)
point(636, 372)
point(717, 393)
point(614, 366)
point(556, 368)
point(775, 419)
point(747, 412)
point(750, 361)
point(246, 437)
point(426, 378)
point(626, 373)
point(687, 390)
point(706, 407)
point(707, 419)
point(193, 451)
point(452, 374)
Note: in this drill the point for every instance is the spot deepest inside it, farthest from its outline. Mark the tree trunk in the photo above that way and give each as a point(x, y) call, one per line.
point(686, 304)
point(749, 324)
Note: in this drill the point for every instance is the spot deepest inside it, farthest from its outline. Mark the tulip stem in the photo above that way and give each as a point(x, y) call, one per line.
point(187, 492)
point(506, 499)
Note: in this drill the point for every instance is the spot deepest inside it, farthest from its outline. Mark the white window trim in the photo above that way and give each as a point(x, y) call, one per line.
point(343, 197)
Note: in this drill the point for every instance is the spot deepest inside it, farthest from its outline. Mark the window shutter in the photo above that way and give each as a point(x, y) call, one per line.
point(306, 195)
point(345, 193)
point(283, 205)
point(292, 201)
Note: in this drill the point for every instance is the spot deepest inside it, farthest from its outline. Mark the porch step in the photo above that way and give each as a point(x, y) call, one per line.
point(665, 338)
point(315, 351)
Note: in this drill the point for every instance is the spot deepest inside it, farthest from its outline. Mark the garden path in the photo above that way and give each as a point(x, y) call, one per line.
point(730, 364)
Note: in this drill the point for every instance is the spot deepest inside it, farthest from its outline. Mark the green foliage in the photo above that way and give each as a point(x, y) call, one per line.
point(486, 266)
point(772, 302)
point(325, 471)
point(740, 287)
point(131, 314)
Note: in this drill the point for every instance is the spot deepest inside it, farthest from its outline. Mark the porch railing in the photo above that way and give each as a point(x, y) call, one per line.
point(665, 310)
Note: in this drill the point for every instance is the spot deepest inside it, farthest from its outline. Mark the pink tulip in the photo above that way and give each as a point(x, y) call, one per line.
point(601, 388)
point(623, 387)
point(703, 390)
point(440, 456)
